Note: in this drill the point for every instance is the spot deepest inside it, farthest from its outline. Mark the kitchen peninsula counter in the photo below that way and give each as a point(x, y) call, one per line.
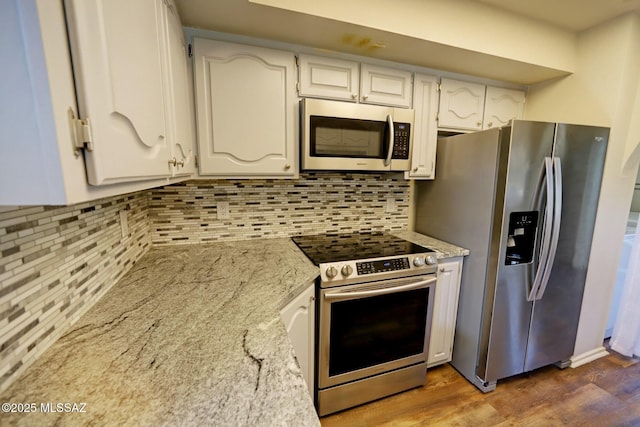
point(190, 335)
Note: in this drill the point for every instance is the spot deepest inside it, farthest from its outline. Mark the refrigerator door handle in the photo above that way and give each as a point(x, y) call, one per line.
point(547, 172)
point(555, 234)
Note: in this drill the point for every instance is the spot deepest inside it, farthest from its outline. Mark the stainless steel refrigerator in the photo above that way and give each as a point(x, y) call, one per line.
point(523, 199)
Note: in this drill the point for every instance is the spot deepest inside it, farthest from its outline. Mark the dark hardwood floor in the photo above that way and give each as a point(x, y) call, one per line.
point(605, 392)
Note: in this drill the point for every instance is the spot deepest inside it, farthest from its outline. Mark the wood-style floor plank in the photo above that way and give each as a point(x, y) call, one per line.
point(605, 392)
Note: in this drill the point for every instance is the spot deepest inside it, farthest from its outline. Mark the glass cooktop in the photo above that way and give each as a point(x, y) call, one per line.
point(324, 248)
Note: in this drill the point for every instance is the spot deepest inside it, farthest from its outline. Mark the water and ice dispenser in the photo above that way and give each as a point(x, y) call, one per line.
point(521, 239)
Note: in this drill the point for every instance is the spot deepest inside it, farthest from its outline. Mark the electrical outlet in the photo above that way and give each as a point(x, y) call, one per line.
point(223, 210)
point(124, 226)
point(391, 205)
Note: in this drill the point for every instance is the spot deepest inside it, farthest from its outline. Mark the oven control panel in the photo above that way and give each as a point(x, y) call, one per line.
point(337, 273)
point(370, 267)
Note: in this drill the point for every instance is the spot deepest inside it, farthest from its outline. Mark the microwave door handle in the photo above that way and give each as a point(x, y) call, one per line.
point(387, 161)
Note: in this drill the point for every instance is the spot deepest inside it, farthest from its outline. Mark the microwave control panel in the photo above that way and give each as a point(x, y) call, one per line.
point(401, 132)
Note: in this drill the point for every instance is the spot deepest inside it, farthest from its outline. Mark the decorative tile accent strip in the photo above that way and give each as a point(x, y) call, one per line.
point(316, 203)
point(57, 261)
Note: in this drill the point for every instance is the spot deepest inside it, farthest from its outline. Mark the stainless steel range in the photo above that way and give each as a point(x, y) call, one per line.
point(374, 304)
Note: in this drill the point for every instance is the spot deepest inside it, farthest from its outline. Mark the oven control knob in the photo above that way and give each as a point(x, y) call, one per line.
point(331, 272)
point(418, 261)
point(346, 270)
point(431, 260)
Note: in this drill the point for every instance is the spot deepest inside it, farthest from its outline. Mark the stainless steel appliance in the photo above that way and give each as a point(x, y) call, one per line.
point(523, 199)
point(375, 303)
point(346, 136)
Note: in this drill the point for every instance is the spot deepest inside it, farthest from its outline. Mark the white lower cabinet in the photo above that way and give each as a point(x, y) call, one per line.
point(445, 311)
point(247, 110)
point(299, 320)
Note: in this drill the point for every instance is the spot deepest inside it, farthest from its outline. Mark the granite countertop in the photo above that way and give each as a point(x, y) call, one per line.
point(443, 249)
point(191, 335)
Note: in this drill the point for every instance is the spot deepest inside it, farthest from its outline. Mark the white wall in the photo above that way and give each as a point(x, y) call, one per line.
point(452, 23)
point(603, 91)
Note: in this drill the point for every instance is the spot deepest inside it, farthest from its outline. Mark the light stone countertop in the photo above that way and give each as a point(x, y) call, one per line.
point(443, 249)
point(191, 335)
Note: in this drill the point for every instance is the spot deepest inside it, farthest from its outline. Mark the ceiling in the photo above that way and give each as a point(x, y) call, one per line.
point(573, 15)
point(285, 24)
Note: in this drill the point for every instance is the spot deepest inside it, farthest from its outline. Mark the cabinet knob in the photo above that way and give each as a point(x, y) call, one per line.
point(173, 162)
point(364, 97)
point(287, 166)
point(354, 95)
point(415, 169)
point(180, 163)
point(441, 269)
point(479, 123)
point(490, 124)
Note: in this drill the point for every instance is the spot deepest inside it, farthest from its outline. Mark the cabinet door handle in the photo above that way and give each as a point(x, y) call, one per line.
point(173, 162)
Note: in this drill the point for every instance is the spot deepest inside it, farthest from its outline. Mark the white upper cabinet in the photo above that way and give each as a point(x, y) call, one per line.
point(425, 127)
point(461, 105)
point(182, 116)
point(122, 61)
point(246, 110)
point(502, 105)
point(385, 86)
point(328, 78)
point(332, 78)
point(122, 76)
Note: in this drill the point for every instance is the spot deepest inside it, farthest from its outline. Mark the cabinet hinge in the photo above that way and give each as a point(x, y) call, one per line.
point(439, 87)
point(195, 160)
point(298, 87)
point(80, 133)
point(190, 50)
point(297, 61)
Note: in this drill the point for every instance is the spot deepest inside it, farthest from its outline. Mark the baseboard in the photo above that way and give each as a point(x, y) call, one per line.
point(589, 356)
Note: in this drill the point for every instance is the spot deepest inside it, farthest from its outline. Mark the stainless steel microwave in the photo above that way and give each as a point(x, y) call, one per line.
point(355, 137)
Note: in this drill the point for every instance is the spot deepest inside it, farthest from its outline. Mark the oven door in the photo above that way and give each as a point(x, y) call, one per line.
point(371, 328)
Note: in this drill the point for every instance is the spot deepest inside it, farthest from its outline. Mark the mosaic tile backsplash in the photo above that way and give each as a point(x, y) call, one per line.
point(56, 261)
point(315, 203)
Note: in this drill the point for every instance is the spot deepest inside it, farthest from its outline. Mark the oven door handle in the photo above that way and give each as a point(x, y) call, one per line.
point(334, 296)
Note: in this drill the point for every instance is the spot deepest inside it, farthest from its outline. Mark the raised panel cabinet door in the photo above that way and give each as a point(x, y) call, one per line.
point(385, 86)
point(328, 78)
point(117, 50)
point(461, 105)
point(425, 127)
point(445, 312)
point(299, 320)
point(180, 111)
point(502, 105)
point(246, 110)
